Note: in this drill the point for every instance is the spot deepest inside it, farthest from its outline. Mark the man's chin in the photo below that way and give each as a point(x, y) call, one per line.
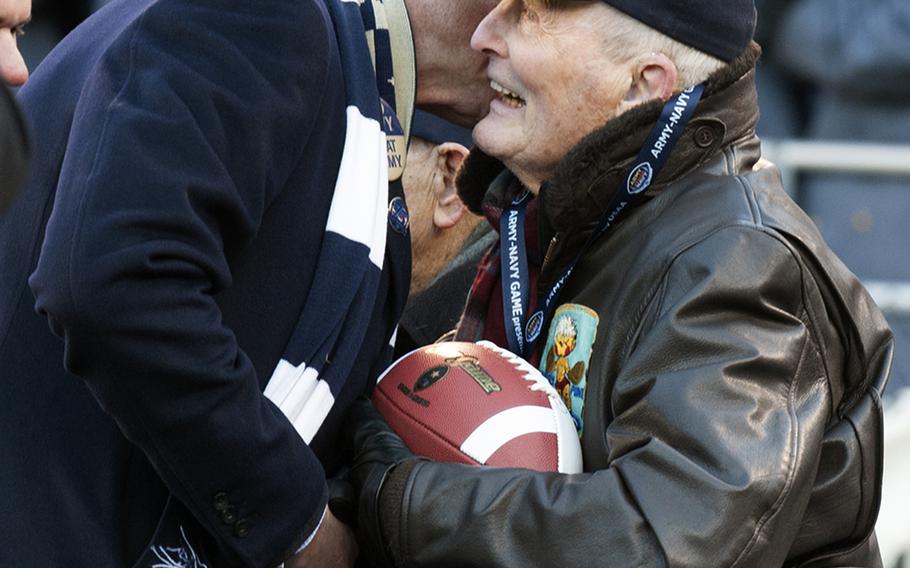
point(491, 139)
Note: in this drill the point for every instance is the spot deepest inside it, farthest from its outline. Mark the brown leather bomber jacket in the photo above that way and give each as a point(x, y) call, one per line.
point(732, 410)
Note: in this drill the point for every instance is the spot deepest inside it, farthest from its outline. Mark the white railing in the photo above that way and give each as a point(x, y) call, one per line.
point(797, 156)
point(838, 157)
point(891, 297)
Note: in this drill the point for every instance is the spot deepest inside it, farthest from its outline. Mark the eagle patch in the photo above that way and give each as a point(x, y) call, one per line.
point(567, 354)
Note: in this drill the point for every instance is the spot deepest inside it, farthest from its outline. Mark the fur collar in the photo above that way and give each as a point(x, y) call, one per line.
point(586, 178)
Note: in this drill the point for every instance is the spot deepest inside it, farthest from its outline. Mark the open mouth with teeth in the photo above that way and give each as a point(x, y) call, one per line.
point(509, 98)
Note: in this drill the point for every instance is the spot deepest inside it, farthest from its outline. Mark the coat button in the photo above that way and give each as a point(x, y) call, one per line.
point(242, 528)
point(228, 516)
point(221, 501)
point(704, 137)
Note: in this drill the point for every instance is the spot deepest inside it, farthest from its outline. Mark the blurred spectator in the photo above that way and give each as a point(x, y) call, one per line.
point(781, 98)
point(856, 55)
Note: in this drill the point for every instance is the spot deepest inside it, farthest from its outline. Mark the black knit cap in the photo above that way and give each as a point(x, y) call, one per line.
point(722, 28)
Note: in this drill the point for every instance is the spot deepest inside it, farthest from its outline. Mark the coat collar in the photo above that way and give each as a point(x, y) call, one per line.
point(586, 178)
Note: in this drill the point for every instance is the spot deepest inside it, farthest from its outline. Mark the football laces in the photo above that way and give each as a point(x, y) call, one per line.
point(538, 382)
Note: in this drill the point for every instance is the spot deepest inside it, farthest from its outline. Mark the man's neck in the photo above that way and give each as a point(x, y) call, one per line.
point(442, 248)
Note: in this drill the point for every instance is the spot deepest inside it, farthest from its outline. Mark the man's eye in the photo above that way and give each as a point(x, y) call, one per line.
point(18, 31)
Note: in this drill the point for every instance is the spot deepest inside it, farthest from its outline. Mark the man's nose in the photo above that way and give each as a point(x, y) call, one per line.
point(13, 70)
point(486, 38)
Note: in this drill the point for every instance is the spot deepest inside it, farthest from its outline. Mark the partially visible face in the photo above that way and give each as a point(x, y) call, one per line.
point(14, 14)
point(439, 224)
point(554, 81)
point(452, 80)
point(417, 182)
point(564, 345)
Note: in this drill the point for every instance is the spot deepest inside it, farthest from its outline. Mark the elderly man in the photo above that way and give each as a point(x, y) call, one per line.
point(725, 367)
point(211, 230)
point(447, 241)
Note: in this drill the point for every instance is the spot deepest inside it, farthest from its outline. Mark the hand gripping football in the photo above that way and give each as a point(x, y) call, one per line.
point(475, 403)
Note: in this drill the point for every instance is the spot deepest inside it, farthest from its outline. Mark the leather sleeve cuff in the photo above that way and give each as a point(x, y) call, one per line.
point(391, 498)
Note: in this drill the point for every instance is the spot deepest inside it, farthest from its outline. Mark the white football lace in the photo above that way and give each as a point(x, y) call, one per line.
point(539, 383)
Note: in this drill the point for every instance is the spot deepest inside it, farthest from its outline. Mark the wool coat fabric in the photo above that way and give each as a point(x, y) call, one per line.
point(185, 155)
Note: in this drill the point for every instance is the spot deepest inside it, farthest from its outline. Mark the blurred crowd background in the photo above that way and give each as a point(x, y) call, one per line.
point(834, 89)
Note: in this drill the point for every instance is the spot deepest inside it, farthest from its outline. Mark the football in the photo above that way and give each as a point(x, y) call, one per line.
point(476, 403)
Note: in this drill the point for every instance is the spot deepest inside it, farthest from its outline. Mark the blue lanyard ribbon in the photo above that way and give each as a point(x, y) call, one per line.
point(522, 333)
point(516, 285)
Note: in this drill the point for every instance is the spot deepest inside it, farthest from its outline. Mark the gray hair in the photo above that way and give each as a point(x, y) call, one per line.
point(628, 38)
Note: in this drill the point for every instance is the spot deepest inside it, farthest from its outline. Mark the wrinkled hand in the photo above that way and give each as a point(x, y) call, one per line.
point(377, 450)
point(333, 546)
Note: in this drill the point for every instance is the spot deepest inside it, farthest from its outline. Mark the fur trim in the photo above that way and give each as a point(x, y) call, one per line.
point(474, 178)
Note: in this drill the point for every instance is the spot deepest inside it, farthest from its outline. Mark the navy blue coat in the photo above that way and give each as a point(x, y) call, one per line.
point(184, 158)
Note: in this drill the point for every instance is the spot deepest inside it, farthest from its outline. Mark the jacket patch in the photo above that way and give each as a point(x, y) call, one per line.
point(567, 354)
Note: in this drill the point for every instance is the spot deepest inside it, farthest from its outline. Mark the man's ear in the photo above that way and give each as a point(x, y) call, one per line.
point(654, 77)
point(449, 209)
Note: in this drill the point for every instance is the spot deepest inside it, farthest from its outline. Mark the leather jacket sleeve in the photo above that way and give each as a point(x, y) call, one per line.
point(718, 410)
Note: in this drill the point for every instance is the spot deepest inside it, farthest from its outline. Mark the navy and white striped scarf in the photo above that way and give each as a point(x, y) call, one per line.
point(346, 284)
point(347, 276)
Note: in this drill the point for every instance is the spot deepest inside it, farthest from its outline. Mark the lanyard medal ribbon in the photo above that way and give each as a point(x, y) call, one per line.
point(516, 284)
point(523, 332)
